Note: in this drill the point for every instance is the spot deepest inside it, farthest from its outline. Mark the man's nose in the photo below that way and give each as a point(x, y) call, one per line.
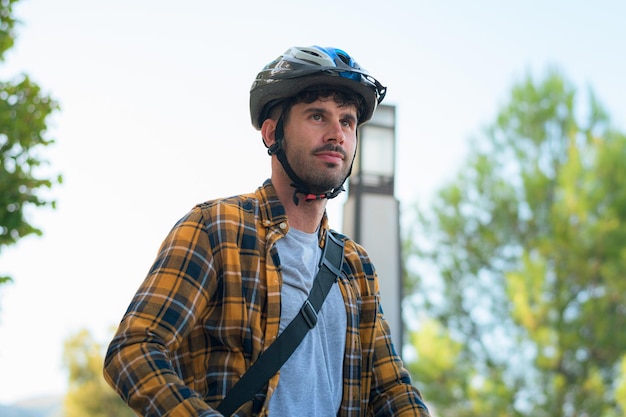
point(336, 132)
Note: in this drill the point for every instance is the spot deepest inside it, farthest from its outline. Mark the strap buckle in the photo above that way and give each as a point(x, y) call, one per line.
point(309, 314)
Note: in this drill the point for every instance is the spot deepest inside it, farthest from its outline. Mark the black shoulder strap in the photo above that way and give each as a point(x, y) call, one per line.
point(272, 359)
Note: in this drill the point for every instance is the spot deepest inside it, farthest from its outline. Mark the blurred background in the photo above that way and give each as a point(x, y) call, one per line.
point(153, 118)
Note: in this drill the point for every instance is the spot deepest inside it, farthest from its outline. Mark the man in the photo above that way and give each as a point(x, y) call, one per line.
point(234, 272)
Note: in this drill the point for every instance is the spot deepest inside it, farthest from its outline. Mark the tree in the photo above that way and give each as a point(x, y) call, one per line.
point(528, 243)
point(24, 111)
point(89, 394)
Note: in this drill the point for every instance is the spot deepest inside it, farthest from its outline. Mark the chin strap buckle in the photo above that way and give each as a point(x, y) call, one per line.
point(313, 197)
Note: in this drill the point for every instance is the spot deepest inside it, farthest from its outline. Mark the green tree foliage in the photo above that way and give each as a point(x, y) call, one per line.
point(89, 394)
point(24, 110)
point(529, 248)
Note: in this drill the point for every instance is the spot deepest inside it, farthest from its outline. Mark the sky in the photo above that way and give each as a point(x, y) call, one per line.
point(154, 118)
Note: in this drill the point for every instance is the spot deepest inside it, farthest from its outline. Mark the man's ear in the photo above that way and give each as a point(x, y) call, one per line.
point(268, 132)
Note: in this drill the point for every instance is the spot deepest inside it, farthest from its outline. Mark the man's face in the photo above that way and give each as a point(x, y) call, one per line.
point(320, 142)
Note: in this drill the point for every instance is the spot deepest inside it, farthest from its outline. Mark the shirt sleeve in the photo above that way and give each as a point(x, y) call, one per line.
point(162, 312)
point(392, 393)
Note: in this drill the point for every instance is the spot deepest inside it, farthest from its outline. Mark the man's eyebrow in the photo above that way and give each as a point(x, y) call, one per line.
point(345, 115)
point(350, 116)
point(315, 110)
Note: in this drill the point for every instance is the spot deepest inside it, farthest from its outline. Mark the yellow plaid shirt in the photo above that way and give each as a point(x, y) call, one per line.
point(210, 305)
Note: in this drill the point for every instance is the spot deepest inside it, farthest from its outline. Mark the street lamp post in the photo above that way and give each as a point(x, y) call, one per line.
point(371, 212)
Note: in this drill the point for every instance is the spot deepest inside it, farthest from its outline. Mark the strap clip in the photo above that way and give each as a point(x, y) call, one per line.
point(309, 314)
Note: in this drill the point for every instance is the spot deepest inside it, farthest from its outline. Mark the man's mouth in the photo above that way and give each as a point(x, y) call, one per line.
point(331, 157)
point(331, 154)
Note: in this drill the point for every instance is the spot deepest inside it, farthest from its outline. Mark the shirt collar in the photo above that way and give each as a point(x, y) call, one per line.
point(272, 211)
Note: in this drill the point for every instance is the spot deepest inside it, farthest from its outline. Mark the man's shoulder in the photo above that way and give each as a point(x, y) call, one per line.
point(225, 211)
point(351, 247)
point(245, 201)
point(240, 201)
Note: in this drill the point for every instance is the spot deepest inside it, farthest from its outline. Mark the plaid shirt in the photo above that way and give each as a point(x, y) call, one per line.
point(210, 305)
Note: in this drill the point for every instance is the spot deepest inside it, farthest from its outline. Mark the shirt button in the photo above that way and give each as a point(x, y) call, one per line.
point(283, 225)
point(267, 222)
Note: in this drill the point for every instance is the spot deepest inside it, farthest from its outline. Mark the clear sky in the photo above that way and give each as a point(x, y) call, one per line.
point(154, 118)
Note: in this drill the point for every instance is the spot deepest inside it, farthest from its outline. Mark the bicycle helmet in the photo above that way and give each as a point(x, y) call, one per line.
point(302, 67)
point(296, 70)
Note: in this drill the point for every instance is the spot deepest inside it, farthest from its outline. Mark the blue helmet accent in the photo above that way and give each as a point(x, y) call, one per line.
point(340, 57)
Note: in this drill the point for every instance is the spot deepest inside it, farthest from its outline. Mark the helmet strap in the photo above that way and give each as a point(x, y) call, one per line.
point(300, 187)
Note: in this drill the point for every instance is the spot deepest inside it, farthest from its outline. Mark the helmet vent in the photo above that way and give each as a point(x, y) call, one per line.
point(312, 53)
point(346, 59)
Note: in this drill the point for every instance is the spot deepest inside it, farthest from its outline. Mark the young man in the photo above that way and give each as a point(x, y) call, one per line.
point(233, 273)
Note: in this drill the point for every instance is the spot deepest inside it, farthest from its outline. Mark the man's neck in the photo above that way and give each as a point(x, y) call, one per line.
point(307, 215)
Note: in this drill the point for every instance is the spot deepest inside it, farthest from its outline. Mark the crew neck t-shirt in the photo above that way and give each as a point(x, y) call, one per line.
point(310, 381)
